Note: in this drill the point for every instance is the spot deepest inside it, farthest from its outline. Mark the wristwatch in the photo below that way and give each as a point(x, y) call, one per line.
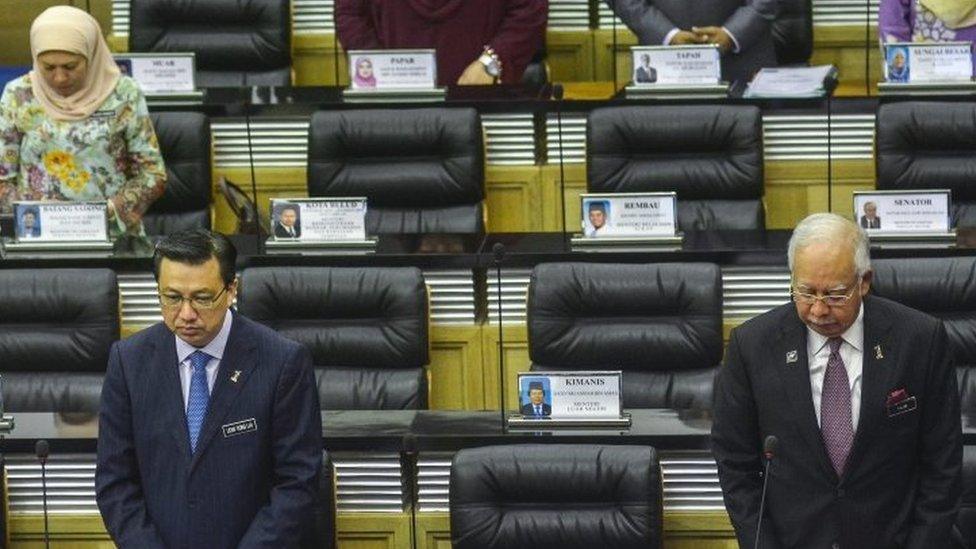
point(491, 62)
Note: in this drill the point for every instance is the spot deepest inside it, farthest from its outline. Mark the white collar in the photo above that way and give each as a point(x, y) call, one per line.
point(854, 335)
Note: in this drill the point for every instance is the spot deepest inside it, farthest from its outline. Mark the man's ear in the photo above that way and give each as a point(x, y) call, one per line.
point(866, 282)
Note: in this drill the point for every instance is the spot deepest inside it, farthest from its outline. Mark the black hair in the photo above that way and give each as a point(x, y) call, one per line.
point(598, 205)
point(196, 247)
point(288, 206)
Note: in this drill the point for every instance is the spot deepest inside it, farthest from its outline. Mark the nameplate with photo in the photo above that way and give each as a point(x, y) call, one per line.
point(570, 395)
point(920, 213)
point(46, 222)
point(676, 65)
point(318, 220)
point(629, 215)
point(925, 62)
point(160, 73)
point(378, 70)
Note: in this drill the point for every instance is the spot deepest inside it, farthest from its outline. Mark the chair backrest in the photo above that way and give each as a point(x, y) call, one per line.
point(236, 43)
point(56, 328)
point(945, 288)
point(556, 495)
point(711, 155)
point(421, 169)
point(659, 323)
point(184, 139)
point(366, 328)
point(793, 32)
point(930, 145)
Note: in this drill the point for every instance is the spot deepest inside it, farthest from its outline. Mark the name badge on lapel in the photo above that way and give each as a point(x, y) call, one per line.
point(899, 403)
point(240, 427)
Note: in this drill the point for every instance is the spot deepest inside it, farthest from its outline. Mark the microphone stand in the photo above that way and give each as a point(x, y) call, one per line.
point(42, 449)
point(557, 94)
point(769, 450)
point(498, 250)
point(254, 184)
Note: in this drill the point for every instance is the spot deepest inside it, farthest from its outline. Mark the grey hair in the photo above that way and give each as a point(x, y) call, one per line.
point(831, 228)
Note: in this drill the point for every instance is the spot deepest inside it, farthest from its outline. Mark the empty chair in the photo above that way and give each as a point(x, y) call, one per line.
point(930, 145)
point(421, 169)
point(184, 139)
point(365, 327)
point(236, 42)
point(659, 323)
point(56, 328)
point(556, 496)
point(710, 155)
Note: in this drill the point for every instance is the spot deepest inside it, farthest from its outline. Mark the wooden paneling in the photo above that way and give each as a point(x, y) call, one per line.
point(516, 358)
point(575, 175)
point(846, 47)
point(603, 48)
point(514, 198)
point(66, 532)
point(698, 530)
point(456, 372)
point(373, 530)
point(314, 58)
point(795, 189)
point(434, 531)
point(271, 183)
point(569, 55)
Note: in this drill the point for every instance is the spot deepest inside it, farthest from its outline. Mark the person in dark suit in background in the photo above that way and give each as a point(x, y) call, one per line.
point(870, 219)
point(860, 392)
point(645, 73)
point(288, 224)
point(30, 225)
point(209, 433)
point(536, 407)
point(741, 28)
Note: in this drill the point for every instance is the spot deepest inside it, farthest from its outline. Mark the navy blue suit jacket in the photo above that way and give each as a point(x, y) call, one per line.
point(253, 488)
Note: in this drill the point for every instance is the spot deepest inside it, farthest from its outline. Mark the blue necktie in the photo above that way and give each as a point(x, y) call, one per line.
point(196, 406)
point(538, 410)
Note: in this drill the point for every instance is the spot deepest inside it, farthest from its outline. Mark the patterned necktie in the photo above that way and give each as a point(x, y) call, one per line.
point(835, 409)
point(196, 406)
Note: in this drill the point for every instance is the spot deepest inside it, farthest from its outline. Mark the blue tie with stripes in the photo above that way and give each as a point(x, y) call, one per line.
point(196, 406)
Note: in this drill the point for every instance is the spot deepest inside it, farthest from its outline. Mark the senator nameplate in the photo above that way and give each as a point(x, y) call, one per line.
point(42, 226)
point(610, 219)
point(165, 78)
point(406, 75)
point(319, 223)
point(569, 399)
point(676, 72)
point(927, 67)
point(905, 215)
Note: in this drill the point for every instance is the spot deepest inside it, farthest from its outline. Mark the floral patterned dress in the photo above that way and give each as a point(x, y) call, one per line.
point(111, 155)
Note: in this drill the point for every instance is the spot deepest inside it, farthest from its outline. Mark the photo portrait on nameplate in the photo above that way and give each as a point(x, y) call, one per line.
point(535, 397)
point(903, 212)
point(61, 221)
point(392, 69)
point(629, 215)
point(160, 73)
point(676, 65)
point(570, 395)
point(319, 219)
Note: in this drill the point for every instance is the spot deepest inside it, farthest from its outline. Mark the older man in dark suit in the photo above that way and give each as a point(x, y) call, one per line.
point(861, 394)
point(741, 28)
point(209, 434)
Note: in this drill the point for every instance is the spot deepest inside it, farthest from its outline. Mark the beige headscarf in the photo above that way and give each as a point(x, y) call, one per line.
point(64, 28)
point(956, 14)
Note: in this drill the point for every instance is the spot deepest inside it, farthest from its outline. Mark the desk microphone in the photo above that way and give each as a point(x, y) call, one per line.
point(254, 183)
point(498, 251)
point(769, 451)
point(42, 449)
point(557, 96)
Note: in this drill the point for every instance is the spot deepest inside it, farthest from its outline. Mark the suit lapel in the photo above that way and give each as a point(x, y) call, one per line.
point(795, 377)
point(239, 356)
point(167, 379)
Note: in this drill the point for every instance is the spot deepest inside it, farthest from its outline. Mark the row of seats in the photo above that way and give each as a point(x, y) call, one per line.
point(367, 328)
point(423, 170)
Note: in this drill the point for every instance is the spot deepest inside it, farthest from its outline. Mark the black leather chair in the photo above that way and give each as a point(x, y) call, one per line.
point(711, 155)
point(237, 42)
point(56, 328)
point(421, 169)
point(930, 145)
point(184, 139)
point(366, 328)
point(943, 287)
point(793, 32)
point(659, 323)
point(556, 496)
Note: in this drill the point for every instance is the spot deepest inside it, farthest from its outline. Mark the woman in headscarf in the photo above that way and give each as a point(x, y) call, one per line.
point(74, 129)
point(927, 21)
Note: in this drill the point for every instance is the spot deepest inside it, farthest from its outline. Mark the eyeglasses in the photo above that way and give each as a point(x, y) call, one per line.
point(197, 303)
point(829, 299)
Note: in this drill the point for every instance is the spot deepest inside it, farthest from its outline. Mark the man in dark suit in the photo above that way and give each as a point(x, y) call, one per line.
point(209, 433)
point(741, 28)
point(645, 73)
point(870, 219)
point(536, 407)
point(861, 394)
point(288, 224)
point(29, 226)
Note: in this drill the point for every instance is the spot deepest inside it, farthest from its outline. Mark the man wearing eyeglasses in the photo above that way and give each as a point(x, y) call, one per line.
point(861, 394)
point(210, 430)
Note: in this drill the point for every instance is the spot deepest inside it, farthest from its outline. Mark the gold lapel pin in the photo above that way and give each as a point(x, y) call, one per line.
point(877, 352)
point(235, 376)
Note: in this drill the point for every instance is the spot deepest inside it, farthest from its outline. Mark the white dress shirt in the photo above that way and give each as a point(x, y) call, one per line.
point(215, 349)
point(851, 352)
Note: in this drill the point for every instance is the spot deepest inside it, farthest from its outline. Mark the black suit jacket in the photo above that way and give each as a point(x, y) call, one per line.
point(869, 224)
point(901, 485)
point(528, 410)
point(255, 488)
point(646, 76)
point(281, 232)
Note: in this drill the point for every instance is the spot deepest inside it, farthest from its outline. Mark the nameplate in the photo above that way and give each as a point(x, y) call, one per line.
point(928, 62)
point(629, 215)
point(676, 65)
point(319, 219)
point(570, 395)
point(160, 73)
point(60, 221)
point(392, 69)
point(239, 427)
point(903, 212)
